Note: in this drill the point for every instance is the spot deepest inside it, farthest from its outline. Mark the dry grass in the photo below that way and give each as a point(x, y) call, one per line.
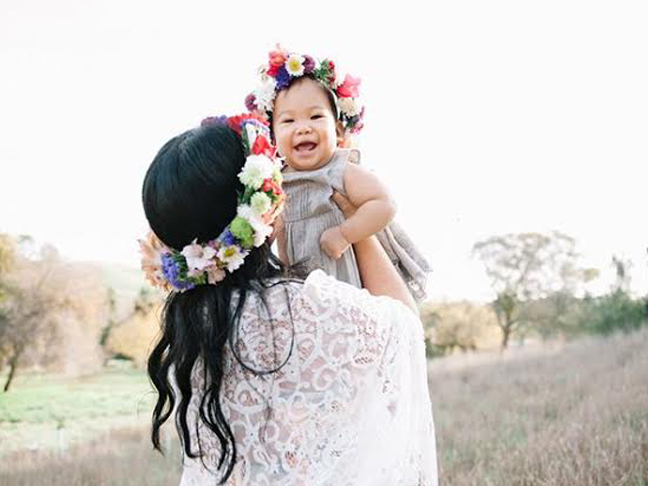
point(121, 457)
point(573, 414)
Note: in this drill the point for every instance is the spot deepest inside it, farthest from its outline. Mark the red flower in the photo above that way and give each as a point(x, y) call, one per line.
point(332, 74)
point(234, 122)
point(273, 70)
point(350, 88)
point(270, 186)
point(262, 147)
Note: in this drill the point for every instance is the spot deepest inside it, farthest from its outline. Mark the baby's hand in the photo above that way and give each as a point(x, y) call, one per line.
point(333, 242)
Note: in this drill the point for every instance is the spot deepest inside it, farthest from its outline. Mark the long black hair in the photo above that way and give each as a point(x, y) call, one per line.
point(190, 191)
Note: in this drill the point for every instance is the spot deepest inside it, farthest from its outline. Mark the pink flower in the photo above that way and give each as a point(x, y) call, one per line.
point(215, 275)
point(250, 102)
point(270, 186)
point(152, 250)
point(309, 64)
point(277, 57)
point(198, 258)
point(350, 87)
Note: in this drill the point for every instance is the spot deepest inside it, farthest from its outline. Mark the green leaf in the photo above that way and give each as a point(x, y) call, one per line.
point(242, 230)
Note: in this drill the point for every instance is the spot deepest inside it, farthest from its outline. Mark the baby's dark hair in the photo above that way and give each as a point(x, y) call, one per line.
point(190, 191)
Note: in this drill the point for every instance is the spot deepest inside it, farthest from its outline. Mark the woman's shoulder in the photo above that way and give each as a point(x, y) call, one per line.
point(353, 326)
point(322, 308)
point(325, 294)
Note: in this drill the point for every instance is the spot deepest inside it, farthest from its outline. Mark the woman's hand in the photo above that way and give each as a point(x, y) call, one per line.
point(344, 204)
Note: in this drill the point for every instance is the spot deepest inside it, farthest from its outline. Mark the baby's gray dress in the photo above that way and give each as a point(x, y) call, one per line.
point(310, 211)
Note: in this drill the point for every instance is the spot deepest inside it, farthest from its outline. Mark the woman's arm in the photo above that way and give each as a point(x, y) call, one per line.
point(378, 274)
point(375, 210)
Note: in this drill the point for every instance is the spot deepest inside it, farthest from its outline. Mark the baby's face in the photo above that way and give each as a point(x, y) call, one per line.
point(304, 126)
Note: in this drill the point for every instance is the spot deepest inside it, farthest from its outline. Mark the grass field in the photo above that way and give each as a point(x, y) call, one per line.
point(570, 414)
point(50, 412)
point(574, 414)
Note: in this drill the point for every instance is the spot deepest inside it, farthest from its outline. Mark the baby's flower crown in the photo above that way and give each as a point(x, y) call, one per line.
point(258, 205)
point(284, 66)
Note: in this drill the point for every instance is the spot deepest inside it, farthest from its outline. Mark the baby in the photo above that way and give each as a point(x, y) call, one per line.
point(312, 116)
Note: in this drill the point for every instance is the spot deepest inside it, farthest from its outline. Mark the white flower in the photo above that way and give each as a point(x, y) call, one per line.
point(349, 106)
point(260, 203)
point(257, 168)
point(265, 94)
point(295, 65)
point(198, 258)
point(261, 229)
point(232, 256)
point(252, 131)
point(261, 71)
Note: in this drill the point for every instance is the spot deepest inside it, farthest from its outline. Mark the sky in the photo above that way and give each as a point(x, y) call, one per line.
point(484, 118)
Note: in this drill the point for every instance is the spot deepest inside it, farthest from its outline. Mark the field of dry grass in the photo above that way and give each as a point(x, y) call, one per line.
point(568, 414)
point(572, 414)
point(120, 457)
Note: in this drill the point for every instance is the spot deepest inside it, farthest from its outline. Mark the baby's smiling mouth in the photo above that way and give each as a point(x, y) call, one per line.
point(305, 146)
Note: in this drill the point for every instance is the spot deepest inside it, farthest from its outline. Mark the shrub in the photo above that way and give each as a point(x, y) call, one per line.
point(615, 311)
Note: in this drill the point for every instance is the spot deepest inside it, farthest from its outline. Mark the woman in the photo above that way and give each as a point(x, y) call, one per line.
point(275, 379)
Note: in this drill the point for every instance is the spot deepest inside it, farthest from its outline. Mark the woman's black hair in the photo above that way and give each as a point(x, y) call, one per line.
point(190, 191)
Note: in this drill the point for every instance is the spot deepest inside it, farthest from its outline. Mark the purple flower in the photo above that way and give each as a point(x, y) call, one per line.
point(282, 77)
point(309, 64)
point(214, 120)
point(250, 102)
point(227, 238)
point(171, 272)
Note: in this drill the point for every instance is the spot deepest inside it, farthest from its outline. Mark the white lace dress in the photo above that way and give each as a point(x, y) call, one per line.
point(350, 407)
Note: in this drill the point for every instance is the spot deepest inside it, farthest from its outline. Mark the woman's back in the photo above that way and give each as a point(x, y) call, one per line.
point(348, 407)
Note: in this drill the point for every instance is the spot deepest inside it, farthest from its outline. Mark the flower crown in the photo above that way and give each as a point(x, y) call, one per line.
point(284, 66)
point(258, 205)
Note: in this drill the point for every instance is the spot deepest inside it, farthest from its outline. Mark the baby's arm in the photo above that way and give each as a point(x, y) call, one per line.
point(375, 210)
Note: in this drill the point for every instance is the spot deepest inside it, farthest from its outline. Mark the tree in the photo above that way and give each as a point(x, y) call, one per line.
point(111, 301)
point(527, 266)
point(147, 299)
point(7, 255)
point(49, 307)
point(622, 268)
point(26, 308)
point(451, 326)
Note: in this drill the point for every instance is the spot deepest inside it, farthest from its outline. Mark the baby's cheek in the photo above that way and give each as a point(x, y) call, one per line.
point(283, 143)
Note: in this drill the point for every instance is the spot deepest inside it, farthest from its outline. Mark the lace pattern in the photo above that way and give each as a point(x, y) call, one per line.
point(349, 407)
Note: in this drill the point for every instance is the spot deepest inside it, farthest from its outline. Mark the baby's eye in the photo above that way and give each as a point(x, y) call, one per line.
point(287, 120)
point(315, 117)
